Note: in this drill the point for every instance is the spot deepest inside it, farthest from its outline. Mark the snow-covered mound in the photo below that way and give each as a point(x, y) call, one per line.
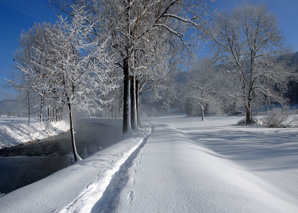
point(15, 130)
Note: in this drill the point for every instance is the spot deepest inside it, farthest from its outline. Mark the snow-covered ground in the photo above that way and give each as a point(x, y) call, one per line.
point(76, 188)
point(183, 165)
point(15, 130)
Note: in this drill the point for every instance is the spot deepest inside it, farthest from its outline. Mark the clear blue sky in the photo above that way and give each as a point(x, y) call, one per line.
point(18, 15)
point(15, 16)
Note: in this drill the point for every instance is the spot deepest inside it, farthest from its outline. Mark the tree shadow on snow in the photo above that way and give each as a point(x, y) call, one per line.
point(268, 150)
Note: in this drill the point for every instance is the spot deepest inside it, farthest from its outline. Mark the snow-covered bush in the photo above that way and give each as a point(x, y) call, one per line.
point(277, 118)
point(243, 122)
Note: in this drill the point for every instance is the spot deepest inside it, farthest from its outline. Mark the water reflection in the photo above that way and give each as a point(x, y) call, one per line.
point(20, 171)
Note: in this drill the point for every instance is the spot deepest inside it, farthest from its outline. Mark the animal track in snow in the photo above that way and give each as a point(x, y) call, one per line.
point(130, 197)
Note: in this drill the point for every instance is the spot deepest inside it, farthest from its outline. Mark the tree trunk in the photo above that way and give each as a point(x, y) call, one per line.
point(202, 113)
point(49, 114)
point(126, 98)
point(138, 99)
point(54, 117)
point(29, 109)
point(73, 142)
point(248, 112)
point(41, 109)
point(133, 109)
point(267, 105)
point(112, 110)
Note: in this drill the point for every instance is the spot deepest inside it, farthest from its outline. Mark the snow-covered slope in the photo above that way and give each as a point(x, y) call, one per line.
point(15, 130)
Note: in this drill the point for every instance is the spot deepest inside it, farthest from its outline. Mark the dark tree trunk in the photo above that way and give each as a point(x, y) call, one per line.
point(73, 142)
point(49, 114)
point(126, 98)
point(248, 116)
point(54, 112)
point(138, 100)
point(133, 108)
point(41, 109)
point(202, 113)
point(29, 109)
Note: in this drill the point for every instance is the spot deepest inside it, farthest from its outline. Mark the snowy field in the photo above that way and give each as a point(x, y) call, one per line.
point(15, 130)
point(176, 164)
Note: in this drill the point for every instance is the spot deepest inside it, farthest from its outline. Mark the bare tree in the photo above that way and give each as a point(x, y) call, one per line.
point(248, 41)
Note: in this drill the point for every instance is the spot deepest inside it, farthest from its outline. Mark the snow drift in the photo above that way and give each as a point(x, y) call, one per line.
point(15, 130)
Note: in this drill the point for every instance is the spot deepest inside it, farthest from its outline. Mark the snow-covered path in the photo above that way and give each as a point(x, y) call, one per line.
point(173, 173)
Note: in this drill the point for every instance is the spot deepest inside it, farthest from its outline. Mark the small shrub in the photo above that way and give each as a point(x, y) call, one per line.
point(277, 119)
point(243, 122)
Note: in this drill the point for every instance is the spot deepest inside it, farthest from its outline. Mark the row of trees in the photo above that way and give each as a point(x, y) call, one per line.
point(144, 38)
point(103, 49)
point(64, 66)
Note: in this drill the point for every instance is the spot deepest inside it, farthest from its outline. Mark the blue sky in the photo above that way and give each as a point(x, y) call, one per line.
point(15, 16)
point(18, 15)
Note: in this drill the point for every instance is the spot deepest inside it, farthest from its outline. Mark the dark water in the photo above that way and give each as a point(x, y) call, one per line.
point(27, 163)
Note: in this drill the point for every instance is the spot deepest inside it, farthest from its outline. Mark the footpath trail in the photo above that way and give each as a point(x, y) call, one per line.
point(172, 173)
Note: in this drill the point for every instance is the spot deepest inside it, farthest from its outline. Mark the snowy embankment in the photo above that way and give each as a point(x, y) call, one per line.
point(76, 188)
point(15, 130)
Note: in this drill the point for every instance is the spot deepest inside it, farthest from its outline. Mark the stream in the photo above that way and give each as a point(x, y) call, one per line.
point(24, 164)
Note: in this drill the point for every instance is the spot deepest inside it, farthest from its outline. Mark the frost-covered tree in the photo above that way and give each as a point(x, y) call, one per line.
point(79, 68)
point(130, 24)
point(68, 66)
point(156, 66)
point(227, 92)
point(31, 57)
point(248, 41)
point(201, 86)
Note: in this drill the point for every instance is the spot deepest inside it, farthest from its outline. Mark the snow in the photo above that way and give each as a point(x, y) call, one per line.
point(15, 130)
point(175, 173)
point(75, 188)
point(182, 165)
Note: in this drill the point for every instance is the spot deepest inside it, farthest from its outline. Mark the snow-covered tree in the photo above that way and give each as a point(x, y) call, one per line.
point(227, 92)
point(130, 25)
point(248, 41)
point(67, 66)
point(31, 57)
point(79, 72)
point(155, 69)
point(201, 86)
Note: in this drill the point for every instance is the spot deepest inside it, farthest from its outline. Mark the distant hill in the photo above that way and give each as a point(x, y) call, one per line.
point(290, 58)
